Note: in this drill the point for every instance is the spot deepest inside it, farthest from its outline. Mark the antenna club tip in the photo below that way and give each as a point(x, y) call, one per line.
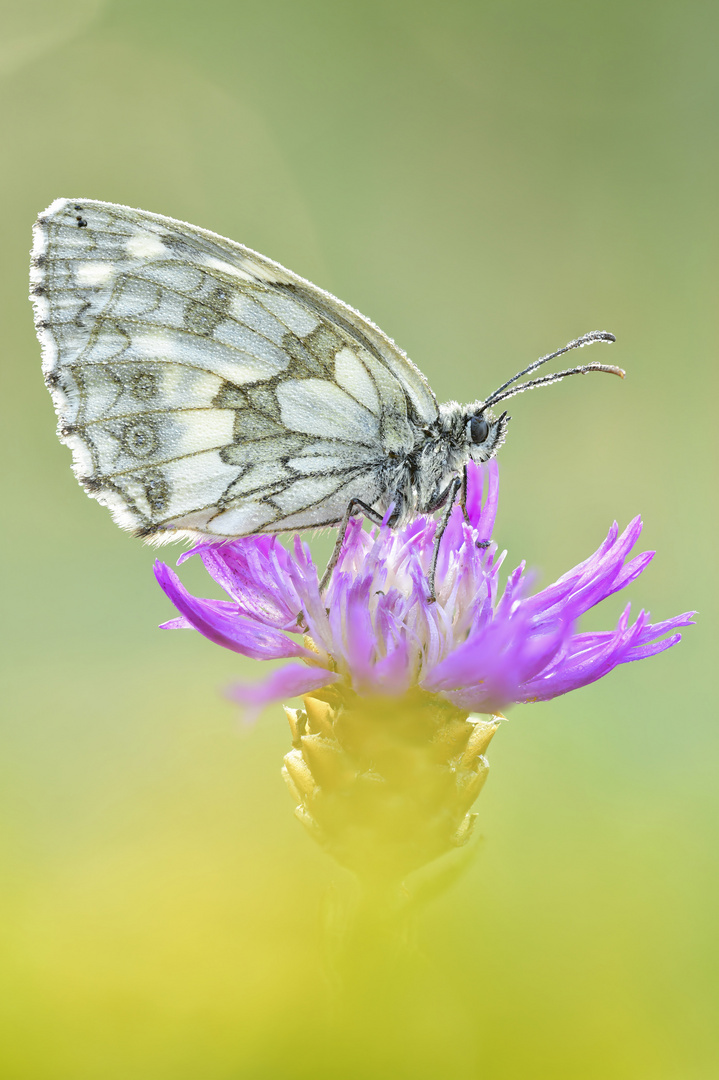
point(610, 369)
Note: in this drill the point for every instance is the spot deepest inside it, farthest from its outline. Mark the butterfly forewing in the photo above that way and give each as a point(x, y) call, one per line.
point(204, 388)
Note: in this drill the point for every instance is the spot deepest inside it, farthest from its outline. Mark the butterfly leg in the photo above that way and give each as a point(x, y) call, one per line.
point(463, 496)
point(463, 504)
point(452, 490)
point(353, 507)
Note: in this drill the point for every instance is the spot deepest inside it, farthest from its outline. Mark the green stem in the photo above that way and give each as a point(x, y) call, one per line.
point(369, 935)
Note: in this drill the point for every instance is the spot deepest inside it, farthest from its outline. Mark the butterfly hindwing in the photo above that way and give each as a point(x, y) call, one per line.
point(205, 389)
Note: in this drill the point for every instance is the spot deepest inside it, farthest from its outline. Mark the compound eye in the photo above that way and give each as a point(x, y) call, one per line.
point(478, 430)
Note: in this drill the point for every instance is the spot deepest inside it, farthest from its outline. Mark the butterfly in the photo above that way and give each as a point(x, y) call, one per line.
point(206, 391)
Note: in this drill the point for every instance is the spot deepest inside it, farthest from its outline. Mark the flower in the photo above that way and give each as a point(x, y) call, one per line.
point(377, 631)
point(386, 760)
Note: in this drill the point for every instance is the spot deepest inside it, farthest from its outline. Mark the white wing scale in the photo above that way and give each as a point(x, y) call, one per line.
point(205, 389)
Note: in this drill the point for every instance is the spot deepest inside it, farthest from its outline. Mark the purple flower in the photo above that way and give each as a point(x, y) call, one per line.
point(377, 631)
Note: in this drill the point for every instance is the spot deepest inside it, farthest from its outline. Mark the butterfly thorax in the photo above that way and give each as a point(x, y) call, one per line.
point(442, 449)
point(416, 484)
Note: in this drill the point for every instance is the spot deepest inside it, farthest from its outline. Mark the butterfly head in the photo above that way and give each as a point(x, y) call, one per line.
point(484, 433)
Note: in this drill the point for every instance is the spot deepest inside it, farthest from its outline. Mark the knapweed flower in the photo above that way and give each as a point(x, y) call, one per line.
point(378, 630)
point(383, 663)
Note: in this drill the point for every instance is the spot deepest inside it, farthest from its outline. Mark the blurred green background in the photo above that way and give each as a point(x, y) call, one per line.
point(486, 180)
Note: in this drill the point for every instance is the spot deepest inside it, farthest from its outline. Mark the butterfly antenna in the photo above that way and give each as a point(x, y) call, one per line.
point(578, 343)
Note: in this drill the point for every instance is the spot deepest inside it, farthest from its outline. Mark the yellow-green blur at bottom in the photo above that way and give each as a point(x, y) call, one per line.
point(486, 180)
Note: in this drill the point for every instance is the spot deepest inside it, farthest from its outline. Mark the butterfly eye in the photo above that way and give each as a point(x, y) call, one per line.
point(478, 429)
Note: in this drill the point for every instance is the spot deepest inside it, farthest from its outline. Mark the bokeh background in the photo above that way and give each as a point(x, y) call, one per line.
point(486, 179)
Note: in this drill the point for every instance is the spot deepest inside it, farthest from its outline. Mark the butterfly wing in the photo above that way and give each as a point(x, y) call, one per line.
point(203, 388)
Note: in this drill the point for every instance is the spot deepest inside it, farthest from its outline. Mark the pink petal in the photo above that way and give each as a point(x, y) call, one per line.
point(293, 680)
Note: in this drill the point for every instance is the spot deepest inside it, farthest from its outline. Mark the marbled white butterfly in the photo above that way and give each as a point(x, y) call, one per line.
point(205, 390)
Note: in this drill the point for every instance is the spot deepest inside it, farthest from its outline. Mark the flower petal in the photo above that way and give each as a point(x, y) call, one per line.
point(591, 656)
point(290, 681)
point(222, 623)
